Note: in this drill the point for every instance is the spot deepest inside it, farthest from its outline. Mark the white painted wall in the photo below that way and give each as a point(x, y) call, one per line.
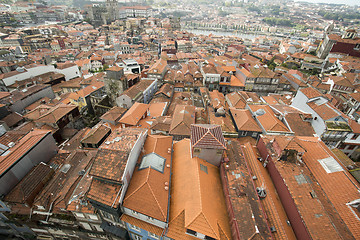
point(70, 73)
point(300, 102)
point(131, 162)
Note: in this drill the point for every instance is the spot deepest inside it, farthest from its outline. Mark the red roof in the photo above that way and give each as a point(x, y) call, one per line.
point(207, 136)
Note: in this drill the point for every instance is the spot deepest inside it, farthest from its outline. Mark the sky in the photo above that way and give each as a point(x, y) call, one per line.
point(348, 2)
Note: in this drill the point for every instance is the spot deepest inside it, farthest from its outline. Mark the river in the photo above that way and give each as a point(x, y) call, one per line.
point(222, 33)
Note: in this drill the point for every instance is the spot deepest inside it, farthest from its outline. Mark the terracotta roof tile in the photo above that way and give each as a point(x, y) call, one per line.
point(207, 136)
point(246, 215)
point(192, 191)
point(326, 183)
point(97, 133)
point(157, 109)
point(244, 120)
point(235, 100)
point(12, 119)
point(268, 120)
point(57, 192)
point(114, 114)
point(161, 124)
point(134, 114)
point(25, 191)
point(225, 122)
point(183, 117)
point(276, 215)
point(104, 192)
point(148, 192)
point(109, 164)
point(311, 92)
point(137, 89)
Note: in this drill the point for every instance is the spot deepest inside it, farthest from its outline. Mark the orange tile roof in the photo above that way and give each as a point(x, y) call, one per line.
point(161, 123)
point(134, 114)
point(229, 68)
point(21, 148)
point(225, 122)
point(338, 186)
point(217, 99)
point(236, 82)
point(245, 215)
point(183, 117)
point(105, 193)
point(114, 114)
point(90, 89)
point(143, 225)
point(235, 100)
point(30, 185)
point(333, 187)
point(325, 111)
point(270, 100)
point(268, 120)
point(244, 120)
point(165, 89)
point(298, 125)
point(148, 192)
point(194, 187)
point(158, 67)
point(97, 133)
point(311, 92)
point(157, 109)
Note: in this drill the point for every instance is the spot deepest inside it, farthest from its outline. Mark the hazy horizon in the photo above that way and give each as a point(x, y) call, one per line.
point(348, 2)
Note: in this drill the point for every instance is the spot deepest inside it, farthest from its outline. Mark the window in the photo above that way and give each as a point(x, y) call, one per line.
point(209, 238)
point(153, 235)
point(80, 215)
point(134, 227)
point(134, 212)
point(93, 216)
point(98, 228)
point(136, 237)
point(351, 147)
point(106, 215)
point(191, 232)
point(86, 226)
point(354, 136)
point(203, 168)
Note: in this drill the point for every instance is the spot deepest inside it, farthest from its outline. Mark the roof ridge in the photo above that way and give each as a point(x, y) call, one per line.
point(137, 189)
point(208, 130)
point(198, 176)
point(157, 202)
point(216, 137)
point(211, 225)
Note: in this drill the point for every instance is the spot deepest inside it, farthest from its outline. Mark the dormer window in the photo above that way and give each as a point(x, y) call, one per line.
point(191, 232)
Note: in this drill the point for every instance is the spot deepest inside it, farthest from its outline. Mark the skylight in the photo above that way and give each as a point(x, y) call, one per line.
point(154, 161)
point(330, 165)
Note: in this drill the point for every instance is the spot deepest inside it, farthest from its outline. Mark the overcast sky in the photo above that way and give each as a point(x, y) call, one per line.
point(349, 2)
